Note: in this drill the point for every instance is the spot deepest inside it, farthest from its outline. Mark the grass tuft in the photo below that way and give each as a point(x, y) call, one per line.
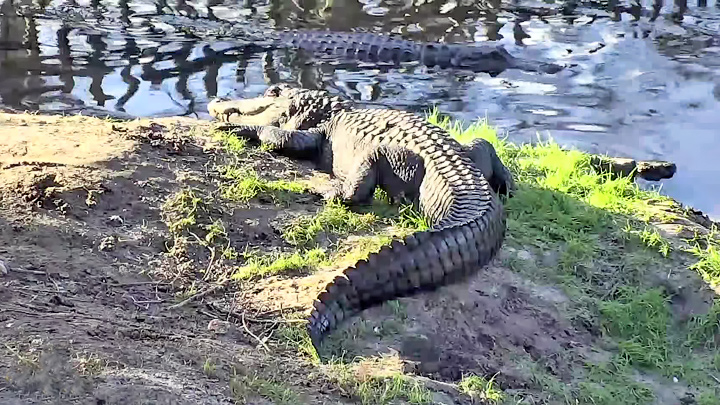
point(334, 219)
point(610, 384)
point(705, 330)
point(231, 143)
point(258, 266)
point(481, 389)
point(378, 381)
point(640, 319)
point(707, 250)
point(246, 184)
point(246, 387)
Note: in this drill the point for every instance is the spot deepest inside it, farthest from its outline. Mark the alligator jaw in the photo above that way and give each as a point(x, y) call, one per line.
point(261, 110)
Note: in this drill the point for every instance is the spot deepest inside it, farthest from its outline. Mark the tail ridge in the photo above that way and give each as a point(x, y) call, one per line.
point(418, 262)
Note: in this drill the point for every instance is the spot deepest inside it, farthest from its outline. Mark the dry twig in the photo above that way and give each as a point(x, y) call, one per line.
point(198, 295)
point(262, 342)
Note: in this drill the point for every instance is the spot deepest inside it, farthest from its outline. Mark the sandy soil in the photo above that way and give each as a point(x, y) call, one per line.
point(87, 286)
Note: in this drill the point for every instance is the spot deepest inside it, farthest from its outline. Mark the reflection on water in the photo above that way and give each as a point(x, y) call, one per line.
point(645, 85)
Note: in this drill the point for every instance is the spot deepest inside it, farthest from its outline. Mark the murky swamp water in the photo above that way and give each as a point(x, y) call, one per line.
point(647, 89)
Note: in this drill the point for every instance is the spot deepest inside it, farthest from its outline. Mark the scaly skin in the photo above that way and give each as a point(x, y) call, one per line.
point(406, 156)
point(366, 47)
point(492, 59)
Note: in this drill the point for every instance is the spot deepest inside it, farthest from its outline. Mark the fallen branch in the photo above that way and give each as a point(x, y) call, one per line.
point(198, 295)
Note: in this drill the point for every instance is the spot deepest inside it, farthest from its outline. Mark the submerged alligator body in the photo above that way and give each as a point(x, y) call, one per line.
point(455, 186)
point(491, 59)
point(368, 47)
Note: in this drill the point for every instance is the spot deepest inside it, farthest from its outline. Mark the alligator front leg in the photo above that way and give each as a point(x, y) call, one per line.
point(300, 144)
point(483, 154)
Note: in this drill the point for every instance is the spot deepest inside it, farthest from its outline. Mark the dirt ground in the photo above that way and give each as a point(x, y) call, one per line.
point(89, 295)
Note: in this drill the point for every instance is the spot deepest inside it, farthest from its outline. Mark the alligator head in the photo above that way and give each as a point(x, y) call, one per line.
point(494, 59)
point(281, 106)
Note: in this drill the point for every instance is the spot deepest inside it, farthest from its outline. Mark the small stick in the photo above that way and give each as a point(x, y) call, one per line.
point(136, 283)
point(276, 320)
point(198, 295)
point(252, 334)
point(717, 380)
point(35, 272)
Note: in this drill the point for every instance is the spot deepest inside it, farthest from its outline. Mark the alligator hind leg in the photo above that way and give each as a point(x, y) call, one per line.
point(300, 144)
point(358, 187)
point(396, 170)
point(483, 154)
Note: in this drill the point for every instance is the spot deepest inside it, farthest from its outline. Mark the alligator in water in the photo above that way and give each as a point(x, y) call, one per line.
point(366, 47)
point(456, 187)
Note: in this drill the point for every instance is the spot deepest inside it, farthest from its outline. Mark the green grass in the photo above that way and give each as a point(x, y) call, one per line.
point(381, 391)
point(481, 389)
point(608, 384)
point(707, 249)
point(605, 255)
point(245, 387)
point(335, 226)
point(377, 385)
point(639, 319)
point(245, 184)
point(334, 219)
point(231, 143)
point(598, 228)
point(258, 265)
point(705, 330)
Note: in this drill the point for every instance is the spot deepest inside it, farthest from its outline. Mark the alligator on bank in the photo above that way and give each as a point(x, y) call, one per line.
point(365, 47)
point(456, 187)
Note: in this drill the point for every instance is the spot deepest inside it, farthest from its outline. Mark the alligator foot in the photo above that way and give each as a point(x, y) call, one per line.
point(299, 144)
point(483, 154)
point(335, 192)
point(357, 189)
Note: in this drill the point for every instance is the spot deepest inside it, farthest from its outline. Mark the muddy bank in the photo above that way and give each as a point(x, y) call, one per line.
point(155, 260)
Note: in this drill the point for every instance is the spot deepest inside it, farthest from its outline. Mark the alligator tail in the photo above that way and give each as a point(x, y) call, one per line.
point(419, 262)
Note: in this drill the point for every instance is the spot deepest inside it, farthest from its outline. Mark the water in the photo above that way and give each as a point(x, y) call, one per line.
point(651, 92)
